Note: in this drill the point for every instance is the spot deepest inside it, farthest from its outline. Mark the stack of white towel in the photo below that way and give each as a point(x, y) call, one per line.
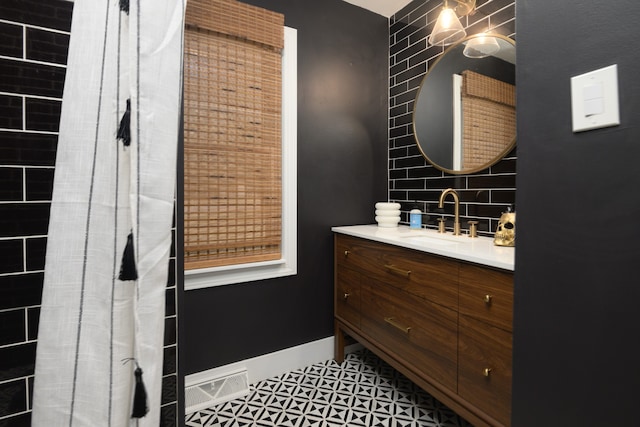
point(387, 214)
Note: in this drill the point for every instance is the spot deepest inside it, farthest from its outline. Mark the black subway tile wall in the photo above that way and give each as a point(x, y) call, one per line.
point(42, 114)
point(12, 327)
point(31, 78)
point(34, 37)
point(10, 40)
point(10, 112)
point(12, 184)
point(11, 252)
point(483, 195)
point(47, 46)
point(33, 149)
point(38, 184)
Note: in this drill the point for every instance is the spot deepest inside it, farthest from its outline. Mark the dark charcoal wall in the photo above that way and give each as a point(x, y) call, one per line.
point(577, 288)
point(31, 84)
point(483, 195)
point(342, 153)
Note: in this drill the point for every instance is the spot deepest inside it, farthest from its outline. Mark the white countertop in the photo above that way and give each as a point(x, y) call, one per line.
point(480, 250)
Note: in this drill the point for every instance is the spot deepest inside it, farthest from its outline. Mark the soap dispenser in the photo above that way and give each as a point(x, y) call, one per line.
point(415, 217)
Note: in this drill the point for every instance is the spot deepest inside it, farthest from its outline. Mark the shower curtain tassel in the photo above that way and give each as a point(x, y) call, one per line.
point(140, 407)
point(124, 131)
point(128, 269)
point(124, 6)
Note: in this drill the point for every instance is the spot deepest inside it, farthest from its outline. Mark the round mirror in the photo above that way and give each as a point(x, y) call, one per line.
point(464, 117)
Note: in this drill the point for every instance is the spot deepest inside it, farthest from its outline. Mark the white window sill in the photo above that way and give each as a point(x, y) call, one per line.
point(218, 276)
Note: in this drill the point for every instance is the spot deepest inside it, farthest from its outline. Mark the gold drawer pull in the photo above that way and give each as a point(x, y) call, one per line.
point(397, 270)
point(346, 295)
point(346, 253)
point(487, 299)
point(487, 372)
point(392, 322)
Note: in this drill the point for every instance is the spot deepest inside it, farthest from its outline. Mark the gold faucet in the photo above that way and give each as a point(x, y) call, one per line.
point(456, 199)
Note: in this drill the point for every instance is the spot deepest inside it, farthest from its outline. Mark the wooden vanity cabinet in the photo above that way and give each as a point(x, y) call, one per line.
point(419, 333)
point(347, 296)
point(485, 339)
point(443, 323)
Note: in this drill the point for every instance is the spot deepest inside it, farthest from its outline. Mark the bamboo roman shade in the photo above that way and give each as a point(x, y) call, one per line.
point(232, 134)
point(489, 117)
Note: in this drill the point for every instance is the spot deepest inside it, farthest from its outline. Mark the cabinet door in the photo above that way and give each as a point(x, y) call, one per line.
point(347, 295)
point(487, 295)
point(420, 334)
point(484, 372)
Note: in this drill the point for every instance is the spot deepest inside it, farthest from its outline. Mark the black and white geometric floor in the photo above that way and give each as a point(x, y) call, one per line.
point(364, 391)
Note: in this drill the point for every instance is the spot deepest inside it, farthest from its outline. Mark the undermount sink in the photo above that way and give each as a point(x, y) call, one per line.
point(438, 239)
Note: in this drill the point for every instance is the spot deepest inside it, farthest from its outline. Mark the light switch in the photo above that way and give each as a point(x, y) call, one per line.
point(594, 99)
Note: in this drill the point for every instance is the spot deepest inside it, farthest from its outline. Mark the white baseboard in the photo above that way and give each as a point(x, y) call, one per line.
point(273, 364)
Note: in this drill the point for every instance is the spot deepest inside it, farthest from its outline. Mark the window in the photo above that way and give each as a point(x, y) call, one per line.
point(240, 154)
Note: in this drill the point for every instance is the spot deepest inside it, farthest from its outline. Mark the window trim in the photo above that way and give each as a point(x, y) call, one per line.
point(287, 265)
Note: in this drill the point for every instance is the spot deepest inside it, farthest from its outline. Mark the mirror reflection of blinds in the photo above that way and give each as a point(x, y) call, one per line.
point(232, 134)
point(489, 118)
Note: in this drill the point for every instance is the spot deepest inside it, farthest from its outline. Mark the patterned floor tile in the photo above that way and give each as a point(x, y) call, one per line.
point(362, 392)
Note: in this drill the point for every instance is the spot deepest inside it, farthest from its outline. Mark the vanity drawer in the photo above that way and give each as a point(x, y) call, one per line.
point(347, 295)
point(419, 333)
point(484, 347)
point(487, 295)
point(418, 273)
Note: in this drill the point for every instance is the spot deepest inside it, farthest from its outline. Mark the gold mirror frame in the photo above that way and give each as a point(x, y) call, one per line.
point(447, 55)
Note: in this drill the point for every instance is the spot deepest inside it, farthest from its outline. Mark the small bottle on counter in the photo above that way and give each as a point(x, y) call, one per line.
point(415, 218)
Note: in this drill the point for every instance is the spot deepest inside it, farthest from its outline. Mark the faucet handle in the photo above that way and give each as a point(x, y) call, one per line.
point(473, 228)
point(441, 225)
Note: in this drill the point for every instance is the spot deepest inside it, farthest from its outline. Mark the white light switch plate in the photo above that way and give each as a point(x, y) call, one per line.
point(594, 99)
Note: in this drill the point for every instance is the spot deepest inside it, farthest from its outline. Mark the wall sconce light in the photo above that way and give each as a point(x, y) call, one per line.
point(448, 28)
point(481, 46)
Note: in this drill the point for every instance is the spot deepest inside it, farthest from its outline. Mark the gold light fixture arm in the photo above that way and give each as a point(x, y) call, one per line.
point(465, 7)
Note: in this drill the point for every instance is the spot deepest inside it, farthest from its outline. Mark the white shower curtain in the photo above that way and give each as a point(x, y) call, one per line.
point(102, 316)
